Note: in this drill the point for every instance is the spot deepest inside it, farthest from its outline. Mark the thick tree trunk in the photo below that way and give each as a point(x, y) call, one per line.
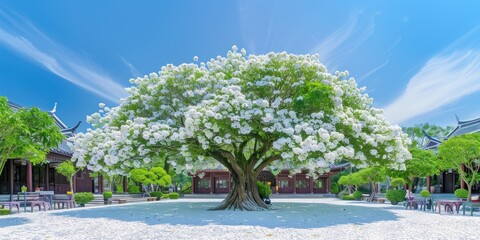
point(244, 193)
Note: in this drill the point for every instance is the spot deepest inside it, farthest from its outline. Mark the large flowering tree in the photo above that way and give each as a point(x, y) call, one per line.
point(246, 113)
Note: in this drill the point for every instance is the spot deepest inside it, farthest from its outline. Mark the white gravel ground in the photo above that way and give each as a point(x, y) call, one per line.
point(290, 219)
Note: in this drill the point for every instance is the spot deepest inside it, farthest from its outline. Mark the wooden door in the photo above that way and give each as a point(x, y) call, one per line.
point(285, 185)
point(302, 184)
point(203, 185)
point(221, 184)
point(319, 185)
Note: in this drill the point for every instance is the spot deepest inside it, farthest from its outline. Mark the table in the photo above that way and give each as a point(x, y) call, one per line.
point(450, 203)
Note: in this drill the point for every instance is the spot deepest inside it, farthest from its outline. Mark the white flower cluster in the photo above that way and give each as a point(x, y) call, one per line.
point(312, 119)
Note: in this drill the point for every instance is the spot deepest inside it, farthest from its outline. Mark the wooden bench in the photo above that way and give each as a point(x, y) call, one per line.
point(381, 200)
point(120, 201)
point(34, 200)
point(473, 206)
point(11, 205)
point(150, 199)
point(64, 201)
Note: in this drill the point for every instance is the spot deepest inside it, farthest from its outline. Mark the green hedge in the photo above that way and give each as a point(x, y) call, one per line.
point(357, 195)
point(395, 196)
point(107, 194)
point(461, 193)
point(264, 189)
point(4, 212)
point(348, 197)
point(158, 195)
point(334, 188)
point(133, 189)
point(173, 195)
point(83, 197)
point(425, 193)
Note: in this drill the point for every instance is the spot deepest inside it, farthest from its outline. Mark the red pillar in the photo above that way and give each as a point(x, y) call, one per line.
point(29, 177)
point(46, 178)
point(429, 182)
point(11, 177)
point(295, 184)
point(100, 184)
point(311, 182)
point(125, 184)
point(212, 184)
point(74, 190)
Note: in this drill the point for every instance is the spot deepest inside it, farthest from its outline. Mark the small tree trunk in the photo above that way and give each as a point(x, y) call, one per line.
point(469, 187)
point(244, 193)
point(71, 184)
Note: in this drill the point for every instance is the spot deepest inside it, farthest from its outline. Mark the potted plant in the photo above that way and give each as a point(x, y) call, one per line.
point(461, 194)
point(426, 194)
point(264, 191)
point(107, 197)
point(83, 198)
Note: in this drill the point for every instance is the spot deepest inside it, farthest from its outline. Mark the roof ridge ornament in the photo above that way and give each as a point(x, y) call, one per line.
point(54, 108)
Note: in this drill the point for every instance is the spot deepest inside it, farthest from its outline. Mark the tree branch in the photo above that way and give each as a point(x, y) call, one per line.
point(267, 161)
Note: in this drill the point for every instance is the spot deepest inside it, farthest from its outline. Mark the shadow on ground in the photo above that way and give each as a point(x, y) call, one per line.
point(285, 215)
point(13, 221)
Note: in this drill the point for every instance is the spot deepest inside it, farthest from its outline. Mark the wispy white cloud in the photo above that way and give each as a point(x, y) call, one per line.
point(133, 70)
point(445, 78)
point(339, 45)
point(21, 36)
point(373, 71)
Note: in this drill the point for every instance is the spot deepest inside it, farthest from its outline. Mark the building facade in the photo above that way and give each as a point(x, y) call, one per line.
point(218, 181)
point(448, 181)
point(20, 172)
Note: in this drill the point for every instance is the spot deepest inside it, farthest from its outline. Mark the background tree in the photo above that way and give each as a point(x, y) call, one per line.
point(246, 113)
point(416, 132)
point(462, 153)
point(68, 170)
point(372, 175)
point(156, 177)
point(423, 163)
point(351, 182)
point(27, 133)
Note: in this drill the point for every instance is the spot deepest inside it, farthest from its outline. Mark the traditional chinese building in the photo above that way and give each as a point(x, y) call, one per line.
point(216, 181)
point(20, 172)
point(448, 181)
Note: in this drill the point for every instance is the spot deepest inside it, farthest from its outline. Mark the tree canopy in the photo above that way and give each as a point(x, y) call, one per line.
point(67, 169)
point(462, 153)
point(26, 133)
point(246, 113)
point(423, 163)
point(416, 132)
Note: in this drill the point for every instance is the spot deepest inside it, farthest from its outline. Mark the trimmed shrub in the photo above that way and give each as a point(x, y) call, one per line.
point(263, 189)
point(397, 182)
point(165, 195)
point(334, 188)
point(107, 194)
point(4, 212)
point(425, 193)
point(461, 193)
point(395, 196)
point(119, 188)
point(173, 195)
point(83, 197)
point(348, 197)
point(357, 195)
point(158, 195)
point(133, 189)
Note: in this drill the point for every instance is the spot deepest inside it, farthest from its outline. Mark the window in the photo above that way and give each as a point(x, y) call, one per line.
point(221, 183)
point(301, 184)
point(283, 183)
point(319, 183)
point(204, 183)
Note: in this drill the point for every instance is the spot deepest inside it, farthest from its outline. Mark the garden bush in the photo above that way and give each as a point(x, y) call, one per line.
point(334, 188)
point(165, 195)
point(107, 195)
point(83, 197)
point(4, 212)
point(395, 196)
point(133, 189)
point(348, 197)
point(173, 195)
point(264, 190)
point(397, 182)
point(461, 193)
point(425, 193)
point(357, 195)
point(158, 195)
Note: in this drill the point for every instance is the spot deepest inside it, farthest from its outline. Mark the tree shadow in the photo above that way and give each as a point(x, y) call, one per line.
point(284, 215)
point(13, 221)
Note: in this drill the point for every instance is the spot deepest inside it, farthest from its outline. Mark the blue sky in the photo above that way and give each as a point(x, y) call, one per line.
point(420, 60)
